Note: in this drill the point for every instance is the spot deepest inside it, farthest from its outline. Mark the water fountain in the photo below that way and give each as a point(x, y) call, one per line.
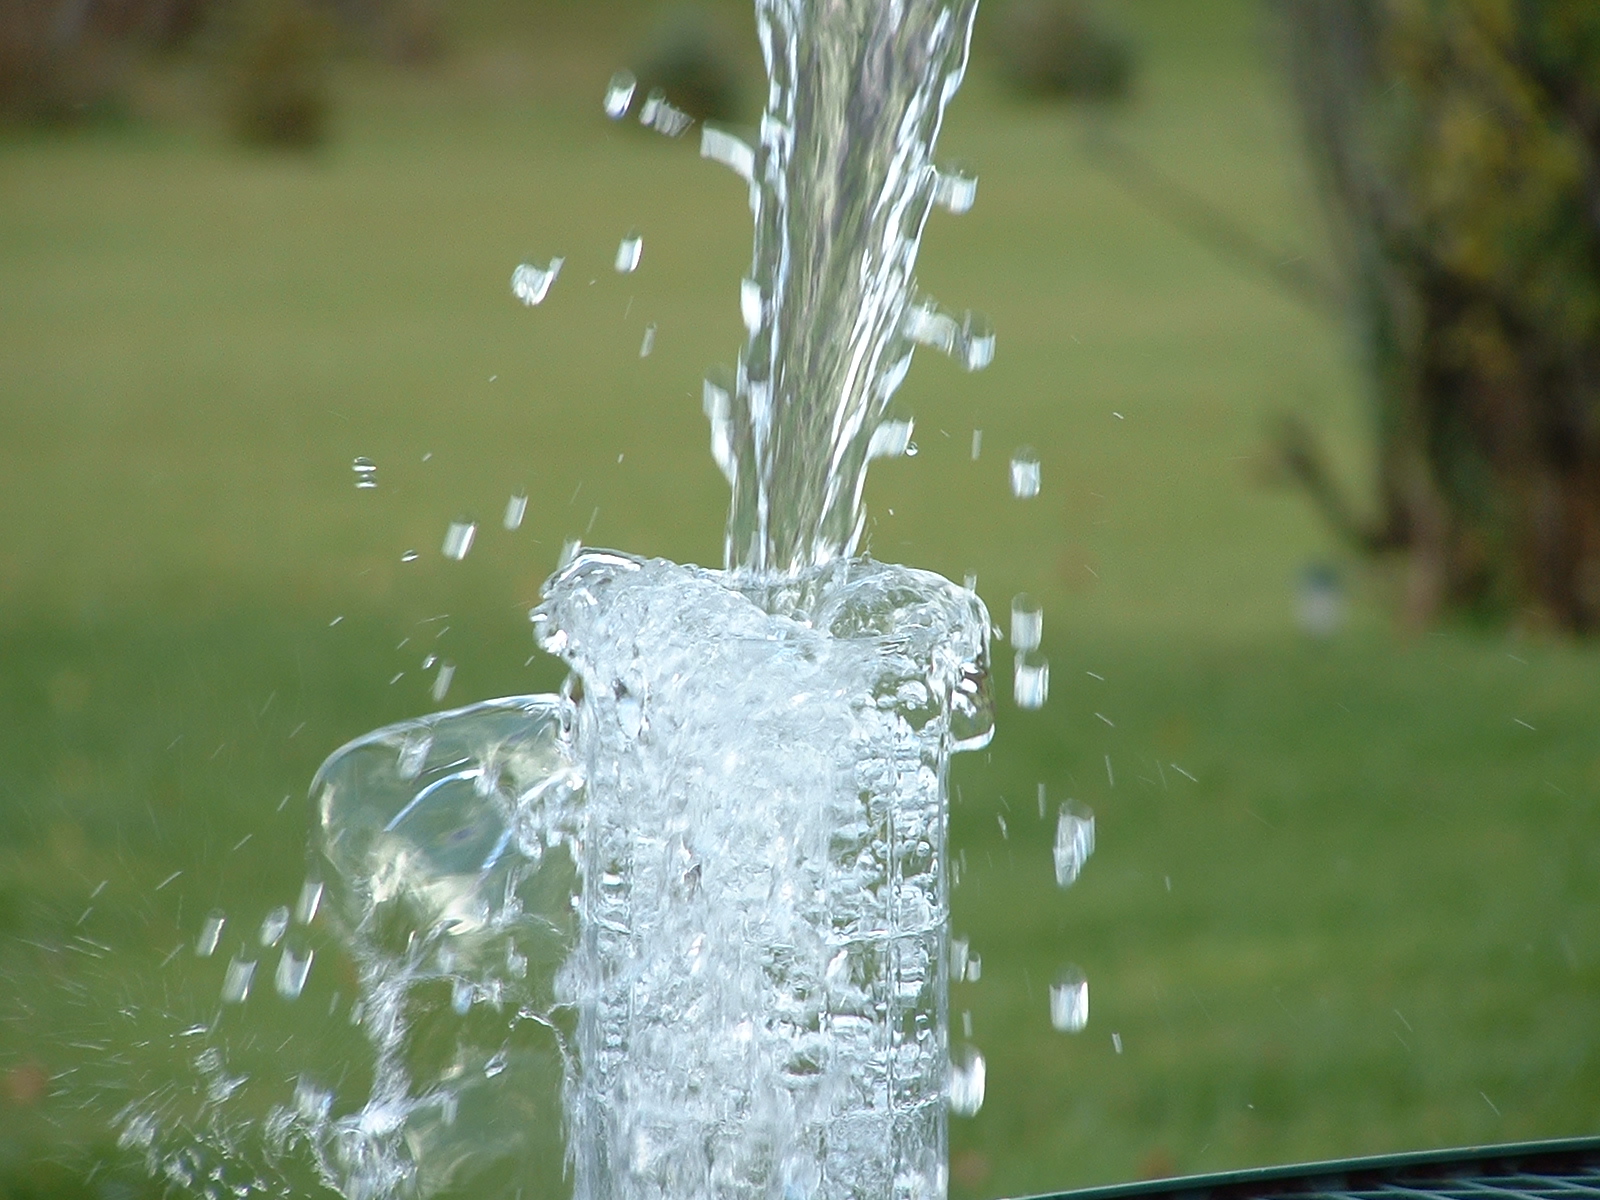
point(712, 873)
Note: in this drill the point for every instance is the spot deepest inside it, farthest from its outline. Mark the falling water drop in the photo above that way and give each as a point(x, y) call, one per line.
point(458, 538)
point(1074, 843)
point(441, 682)
point(1031, 682)
point(461, 997)
point(210, 933)
point(1069, 1000)
point(294, 964)
point(531, 284)
point(516, 509)
point(977, 444)
point(976, 342)
point(967, 1080)
point(628, 253)
point(274, 924)
point(649, 342)
point(310, 899)
point(409, 556)
point(236, 981)
point(1027, 622)
point(955, 189)
point(619, 94)
point(1025, 473)
point(366, 472)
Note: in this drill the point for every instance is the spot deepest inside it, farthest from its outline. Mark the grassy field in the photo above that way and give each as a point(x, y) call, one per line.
point(1347, 892)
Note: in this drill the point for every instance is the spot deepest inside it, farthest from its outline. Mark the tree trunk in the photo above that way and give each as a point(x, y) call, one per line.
point(1459, 142)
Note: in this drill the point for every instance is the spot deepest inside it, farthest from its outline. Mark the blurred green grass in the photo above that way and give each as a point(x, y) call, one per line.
point(1382, 929)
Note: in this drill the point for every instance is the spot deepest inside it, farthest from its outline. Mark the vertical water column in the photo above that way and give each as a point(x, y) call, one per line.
point(841, 183)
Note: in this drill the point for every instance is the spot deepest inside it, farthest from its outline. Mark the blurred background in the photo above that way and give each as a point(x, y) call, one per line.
point(1299, 305)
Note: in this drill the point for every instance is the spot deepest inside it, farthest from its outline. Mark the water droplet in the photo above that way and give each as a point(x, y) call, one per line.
point(366, 472)
point(958, 958)
point(720, 146)
point(210, 933)
point(911, 449)
point(649, 342)
point(531, 284)
point(1025, 473)
point(976, 342)
point(974, 967)
point(967, 1080)
point(236, 982)
point(1074, 843)
point(569, 551)
point(955, 189)
point(496, 1064)
point(750, 308)
point(428, 660)
point(977, 444)
point(970, 581)
point(1031, 683)
point(310, 899)
point(441, 682)
point(458, 538)
point(409, 556)
point(413, 754)
point(658, 113)
point(619, 94)
point(889, 440)
point(274, 924)
point(927, 325)
point(1069, 1000)
point(1027, 622)
point(628, 253)
point(461, 997)
point(1116, 1042)
point(294, 964)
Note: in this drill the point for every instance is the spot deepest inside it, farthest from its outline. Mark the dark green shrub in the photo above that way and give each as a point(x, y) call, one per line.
point(276, 60)
point(55, 70)
point(688, 57)
point(1062, 48)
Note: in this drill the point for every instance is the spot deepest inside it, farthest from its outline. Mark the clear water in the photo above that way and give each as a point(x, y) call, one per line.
point(690, 919)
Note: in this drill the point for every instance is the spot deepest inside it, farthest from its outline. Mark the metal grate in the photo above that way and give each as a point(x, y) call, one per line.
point(1559, 1170)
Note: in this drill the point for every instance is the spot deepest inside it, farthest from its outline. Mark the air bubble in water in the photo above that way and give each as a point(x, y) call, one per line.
point(619, 94)
point(531, 284)
point(366, 472)
point(1031, 683)
point(1025, 473)
point(516, 509)
point(649, 342)
point(458, 538)
point(310, 899)
point(294, 964)
point(274, 924)
point(628, 253)
point(236, 982)
point(441, 682)
point(1074, 843)
point(210, 933)
point(967, 1079)
point(1069, 1000)
point(955, 189)
point(1027, 622)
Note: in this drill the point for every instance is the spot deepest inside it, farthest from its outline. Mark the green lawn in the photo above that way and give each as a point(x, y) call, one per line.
point(1347, 893)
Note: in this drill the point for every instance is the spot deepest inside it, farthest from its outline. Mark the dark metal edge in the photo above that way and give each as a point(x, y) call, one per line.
point(1348, 1173)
